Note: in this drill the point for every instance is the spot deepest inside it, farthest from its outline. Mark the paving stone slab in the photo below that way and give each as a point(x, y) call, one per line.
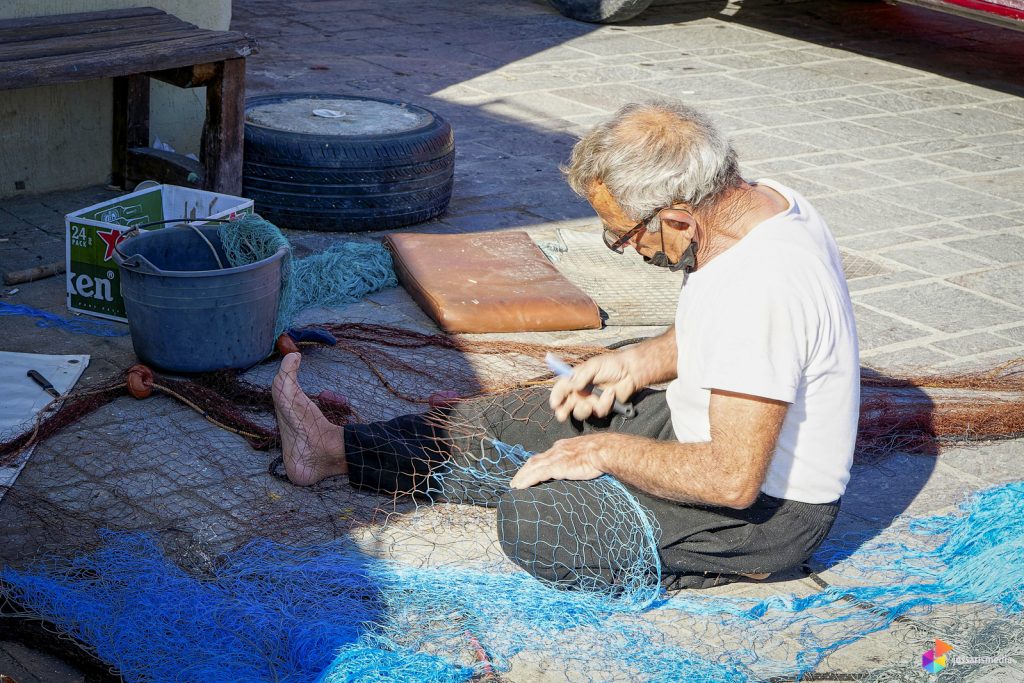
point(999, 247)
point(886, 281)
point(903, 129)
point(1009, 153)
point(970, 120)
point(991, 223)
point(938, 231)
point(1014, 333)
point(761, 146)
point(531, 108)
point(935, 259)
point(844, 179)
point(604, 46)
point(841, 109)
point(830, 159)
point(880, 239)
point(715, 34)
point(809, 189)
point(945, 198)
point(876, 329)
point(864, 70)
point(24, 665)
point(744, 62)
point(848, 134)
point(882, 492)
point(779, 115)
point(1006, 185)
point(944, 307)
point(767, 169)
point(834, 93)
point(707, 88)
point(1011, 107)
point(972, 344)
point(854, 213)
point(893, 102)
point(971, 162)
point(795, 79)
point(1005, 284)
point(983, 362)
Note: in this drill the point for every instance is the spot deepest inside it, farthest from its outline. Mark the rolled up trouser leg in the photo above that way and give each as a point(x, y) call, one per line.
point(394, 457)
point(400, 455)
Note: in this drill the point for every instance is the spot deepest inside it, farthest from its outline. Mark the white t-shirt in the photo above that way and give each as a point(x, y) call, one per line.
point(771, 317)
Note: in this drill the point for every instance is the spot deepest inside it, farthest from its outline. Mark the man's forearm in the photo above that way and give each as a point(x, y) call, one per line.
point(653, 361)
point(726, 471)
point(681, 472)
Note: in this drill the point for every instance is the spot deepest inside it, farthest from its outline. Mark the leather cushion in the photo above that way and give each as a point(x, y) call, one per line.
point(489, 282)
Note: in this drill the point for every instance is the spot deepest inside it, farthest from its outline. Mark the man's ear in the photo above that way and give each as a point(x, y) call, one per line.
point(679, 219)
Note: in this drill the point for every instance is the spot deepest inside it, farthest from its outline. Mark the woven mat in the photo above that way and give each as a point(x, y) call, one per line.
point(629, 291)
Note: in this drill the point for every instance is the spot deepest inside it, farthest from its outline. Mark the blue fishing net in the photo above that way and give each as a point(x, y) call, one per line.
point(44, 319)
point(970, 562)
point(334, 612)
point(628, 546)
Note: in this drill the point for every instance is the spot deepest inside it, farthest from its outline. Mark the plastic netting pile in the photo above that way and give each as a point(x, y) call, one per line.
point(343, 273)
point(163, 536)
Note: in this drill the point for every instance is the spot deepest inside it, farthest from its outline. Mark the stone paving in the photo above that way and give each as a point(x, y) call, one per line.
point(904, 127)
point(911, 149)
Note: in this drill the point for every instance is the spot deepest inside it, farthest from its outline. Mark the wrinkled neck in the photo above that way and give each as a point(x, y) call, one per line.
point(730, 219)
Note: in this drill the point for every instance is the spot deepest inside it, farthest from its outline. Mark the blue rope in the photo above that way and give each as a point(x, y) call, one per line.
point(96, 328)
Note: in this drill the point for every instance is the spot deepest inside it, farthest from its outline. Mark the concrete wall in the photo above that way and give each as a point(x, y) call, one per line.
point(58, 137)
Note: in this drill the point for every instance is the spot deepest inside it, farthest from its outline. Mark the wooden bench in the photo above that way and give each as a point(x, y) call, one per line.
point(131, 46)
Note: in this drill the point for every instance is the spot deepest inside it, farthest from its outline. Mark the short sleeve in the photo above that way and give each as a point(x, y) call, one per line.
point(756, 342)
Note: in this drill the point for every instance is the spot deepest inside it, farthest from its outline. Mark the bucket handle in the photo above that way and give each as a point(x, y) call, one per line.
point(142, 264)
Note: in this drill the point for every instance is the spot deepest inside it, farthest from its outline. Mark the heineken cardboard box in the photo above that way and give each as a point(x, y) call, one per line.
point(94, 283)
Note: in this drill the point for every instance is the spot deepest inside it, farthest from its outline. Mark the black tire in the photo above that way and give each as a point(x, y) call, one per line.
point(371, 181)
point(600, 11)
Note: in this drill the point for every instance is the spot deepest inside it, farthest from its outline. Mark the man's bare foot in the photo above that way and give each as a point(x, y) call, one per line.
point(312, 447)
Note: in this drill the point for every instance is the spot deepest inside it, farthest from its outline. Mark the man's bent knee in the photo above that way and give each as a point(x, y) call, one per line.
point(549, 530)
point(527, 536)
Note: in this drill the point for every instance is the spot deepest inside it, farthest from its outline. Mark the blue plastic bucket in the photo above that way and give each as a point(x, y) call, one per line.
point(187, 313)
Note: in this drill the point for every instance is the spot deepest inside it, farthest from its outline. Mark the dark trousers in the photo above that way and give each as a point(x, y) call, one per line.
point(551, 528)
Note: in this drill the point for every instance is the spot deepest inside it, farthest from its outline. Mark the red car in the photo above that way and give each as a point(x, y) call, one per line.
point(1002, 12)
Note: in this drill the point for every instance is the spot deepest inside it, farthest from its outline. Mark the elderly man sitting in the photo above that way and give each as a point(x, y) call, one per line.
point(742, 460)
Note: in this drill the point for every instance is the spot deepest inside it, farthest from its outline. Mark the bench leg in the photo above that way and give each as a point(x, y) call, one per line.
point(131, 123)
point(225, 128)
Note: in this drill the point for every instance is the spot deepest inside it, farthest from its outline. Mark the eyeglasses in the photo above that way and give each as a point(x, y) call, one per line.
point(617, 243)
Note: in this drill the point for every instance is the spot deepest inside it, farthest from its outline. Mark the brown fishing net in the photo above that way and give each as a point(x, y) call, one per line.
point(917, 413)
point(190, 457)
point(392, 370)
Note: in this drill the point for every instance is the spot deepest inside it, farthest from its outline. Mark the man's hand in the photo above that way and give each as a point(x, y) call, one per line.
point(610, 371)
point(619, 374)
point(577, 459)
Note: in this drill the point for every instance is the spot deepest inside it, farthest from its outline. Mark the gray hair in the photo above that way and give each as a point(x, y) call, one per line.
point(653, 155)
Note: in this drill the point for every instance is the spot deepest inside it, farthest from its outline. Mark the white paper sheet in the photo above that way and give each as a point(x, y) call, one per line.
point(21, 399)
